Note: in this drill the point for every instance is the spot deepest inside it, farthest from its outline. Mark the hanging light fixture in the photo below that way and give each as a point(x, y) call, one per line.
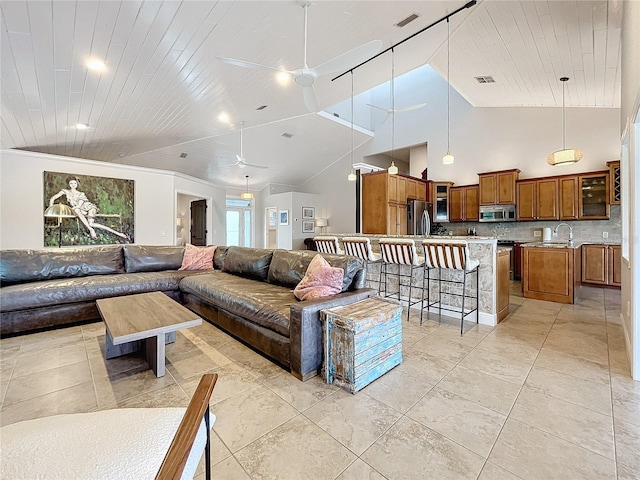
point(246, 195)
point(393, 170)
point(448, 159)
point(564, 156)
point(352, 175)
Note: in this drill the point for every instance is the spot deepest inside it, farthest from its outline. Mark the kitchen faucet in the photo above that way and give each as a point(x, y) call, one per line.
point(555, 231)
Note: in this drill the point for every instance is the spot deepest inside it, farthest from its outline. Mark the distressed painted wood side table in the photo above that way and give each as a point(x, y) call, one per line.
point(362, 341)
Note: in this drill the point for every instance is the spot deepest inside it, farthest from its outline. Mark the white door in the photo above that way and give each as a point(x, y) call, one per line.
point(271, 227)
point(239, 222)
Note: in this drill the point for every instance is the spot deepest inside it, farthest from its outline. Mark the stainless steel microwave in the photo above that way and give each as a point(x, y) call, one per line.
point(497, 213)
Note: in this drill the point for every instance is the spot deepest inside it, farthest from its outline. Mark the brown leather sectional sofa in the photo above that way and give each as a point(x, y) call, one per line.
point(250, 294)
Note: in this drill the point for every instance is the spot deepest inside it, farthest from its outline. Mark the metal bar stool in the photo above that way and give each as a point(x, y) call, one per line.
point(327, 244)
point(451, 256)
point(400, 251)
point(361, 247)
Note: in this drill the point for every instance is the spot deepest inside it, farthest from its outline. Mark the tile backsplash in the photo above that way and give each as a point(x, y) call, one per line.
point(583, 230)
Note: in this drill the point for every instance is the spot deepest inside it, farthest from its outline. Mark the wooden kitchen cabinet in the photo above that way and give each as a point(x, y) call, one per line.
point(463, 204)
point(439, 198)
point(614, 182)
point(601, 264)
point(384, 202)
point(593, 197)
point(537, 199)
point(568, 195)
point(502, 287)
point(551, 273)
point(498, 188)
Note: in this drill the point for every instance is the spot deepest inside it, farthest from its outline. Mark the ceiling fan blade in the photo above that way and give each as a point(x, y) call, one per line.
point(250, 65)
point(310, 98)
point(253, 165)
point(349, 59)
point(384, 109)
point(410, 107)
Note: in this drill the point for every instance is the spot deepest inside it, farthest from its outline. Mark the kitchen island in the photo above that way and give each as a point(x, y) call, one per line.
point(551, 271)
point(484, 249)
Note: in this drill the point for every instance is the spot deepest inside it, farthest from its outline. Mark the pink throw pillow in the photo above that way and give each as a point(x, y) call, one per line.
point(197, 258)
point(320, 280)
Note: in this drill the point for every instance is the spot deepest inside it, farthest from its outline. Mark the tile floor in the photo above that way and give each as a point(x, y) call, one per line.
point(547, 394)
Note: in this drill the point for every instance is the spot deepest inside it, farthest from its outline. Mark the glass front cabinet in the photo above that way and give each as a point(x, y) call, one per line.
point(594, 196)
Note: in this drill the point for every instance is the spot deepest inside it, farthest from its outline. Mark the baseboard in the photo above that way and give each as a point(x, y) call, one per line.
point(627, 342)
point(490, 319)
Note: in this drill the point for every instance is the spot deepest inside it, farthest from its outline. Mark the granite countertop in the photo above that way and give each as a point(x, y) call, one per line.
point(504, 248)
point(416, 237)
point(574, 245)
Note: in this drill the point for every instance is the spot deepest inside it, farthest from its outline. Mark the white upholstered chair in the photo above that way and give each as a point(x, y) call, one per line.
point(328, 244)
point(451, 256)
point(361, 247)
point(124, 443)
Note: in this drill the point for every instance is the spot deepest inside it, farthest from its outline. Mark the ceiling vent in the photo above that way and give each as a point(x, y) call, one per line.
point(485, 79)
point(287, 135)
point(183, 155)
point(261, 107)
point(407, 20)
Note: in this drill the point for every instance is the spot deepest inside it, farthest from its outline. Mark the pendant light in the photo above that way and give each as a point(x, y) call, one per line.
point(564, 156)
point(448, 158)
point(352, 175)
point(246, 195)
point(393, 170)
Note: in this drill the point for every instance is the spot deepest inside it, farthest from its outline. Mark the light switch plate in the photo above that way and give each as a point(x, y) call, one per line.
point(537, 233)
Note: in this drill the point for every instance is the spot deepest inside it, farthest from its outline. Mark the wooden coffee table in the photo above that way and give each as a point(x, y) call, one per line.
point(144, 316)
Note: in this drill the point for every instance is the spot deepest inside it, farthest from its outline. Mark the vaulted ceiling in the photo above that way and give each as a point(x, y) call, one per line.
point(164, 85)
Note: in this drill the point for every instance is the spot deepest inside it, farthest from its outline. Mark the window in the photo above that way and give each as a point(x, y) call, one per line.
point(239, 222)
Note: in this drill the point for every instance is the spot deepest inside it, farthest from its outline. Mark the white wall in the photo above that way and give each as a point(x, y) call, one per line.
point(22, 204)
point(630, 104)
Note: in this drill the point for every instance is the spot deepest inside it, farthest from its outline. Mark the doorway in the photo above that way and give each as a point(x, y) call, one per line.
point(199, 222)
point(271, 227)
point(239, 222)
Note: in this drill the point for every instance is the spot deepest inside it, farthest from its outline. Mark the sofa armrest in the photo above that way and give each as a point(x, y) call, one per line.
point(305, 335)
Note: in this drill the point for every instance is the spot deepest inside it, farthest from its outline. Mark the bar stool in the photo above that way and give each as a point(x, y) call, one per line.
point(327, 244)
point(400, 251)
point(361, 247)
point(450, 256)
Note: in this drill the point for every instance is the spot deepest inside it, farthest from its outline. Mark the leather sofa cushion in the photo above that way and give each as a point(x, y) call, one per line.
point(18, 266)
point(83, 289)
point(248, 262)
point(219, 256)
point(288, 267)
point(151, 258)
point(261, 303)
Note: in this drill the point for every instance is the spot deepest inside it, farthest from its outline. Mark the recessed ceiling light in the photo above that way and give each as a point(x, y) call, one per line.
point(283, 78)
point(95, 64)
point(224, 117)
point(81, 126)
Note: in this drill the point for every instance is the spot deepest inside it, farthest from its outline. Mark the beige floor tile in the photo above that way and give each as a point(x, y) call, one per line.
point(297, 449)
point(76, 399)
point(59, 357)
point(170, 396)
point(542, 306)
point(302, 395)
point(399, 389)
point(410, 450)
point(463, 421)
point(36, 384)
point(410, 337)
point(192, 365)
point(533, 339)
point(533, 454)
point(626, 399)
point(359, 470)
point(578, 344)
point(574, 366)
point(491, 471)
point(594, 396)
point(507, 348)
point(472, 335)
point(356, 421)
point(247, 416)
point(524, 325)
point(92, 330)
point(123, 386)
point(101, 367)
point(568, 421)
point(442, 348)
point(496, 365)
point(49, 340)
point(418, 364)
point(486, 390)
point(227, 469)
point(627, 448)
point(232, 380)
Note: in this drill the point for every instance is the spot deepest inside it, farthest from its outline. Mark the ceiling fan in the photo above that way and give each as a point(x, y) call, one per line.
point(305, 76)
point(241, 162)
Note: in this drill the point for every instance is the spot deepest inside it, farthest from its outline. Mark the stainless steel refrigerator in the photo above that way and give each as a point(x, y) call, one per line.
point(418, 220)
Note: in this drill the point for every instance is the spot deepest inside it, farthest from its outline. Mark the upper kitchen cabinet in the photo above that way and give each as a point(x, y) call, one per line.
point(463, 204)
point(384, 202)
point(614, 182)
point(537, 199)
point(439, 198)
point(498, 188)
point(568, 194)
point(593, 196)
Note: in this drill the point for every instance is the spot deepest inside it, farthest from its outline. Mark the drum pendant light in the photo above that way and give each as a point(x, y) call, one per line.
point(246, 195)
point(564, 156)
point(448, 159)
